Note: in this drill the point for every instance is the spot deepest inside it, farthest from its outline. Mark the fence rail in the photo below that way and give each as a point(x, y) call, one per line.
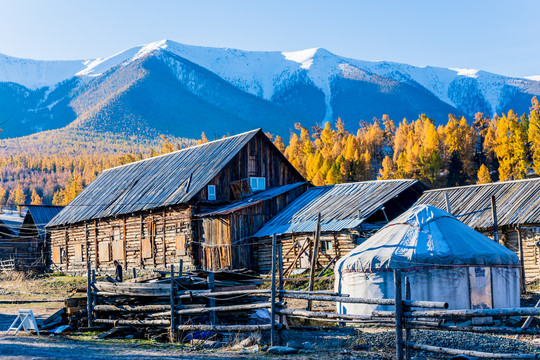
point(408, 314)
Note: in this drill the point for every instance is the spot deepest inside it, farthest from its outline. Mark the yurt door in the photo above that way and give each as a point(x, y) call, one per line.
point(480, 290)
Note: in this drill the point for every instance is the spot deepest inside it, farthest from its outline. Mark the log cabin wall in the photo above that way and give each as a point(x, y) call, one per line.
point(149, 241)
point(226, 241)
point(508, 236)
point(259, 158)
point(331, 244)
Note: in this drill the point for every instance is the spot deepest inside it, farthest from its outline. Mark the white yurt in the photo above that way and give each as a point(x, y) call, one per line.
point(444, 260)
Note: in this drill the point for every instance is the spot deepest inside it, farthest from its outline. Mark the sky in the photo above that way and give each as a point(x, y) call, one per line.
point(497, 36)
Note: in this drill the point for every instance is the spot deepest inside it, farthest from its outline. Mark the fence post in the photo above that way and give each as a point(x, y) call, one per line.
point(88, 293)
point(314, 258)
point(212, 300)
point(181, 268)
point(399, 315)
point(173, 293)
point(273, 298)
point(522, 263)
point(134, 273)
point(407, 329)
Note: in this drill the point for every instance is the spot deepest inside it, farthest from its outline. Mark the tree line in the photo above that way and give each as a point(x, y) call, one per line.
point(502, 147)
point(52, 170)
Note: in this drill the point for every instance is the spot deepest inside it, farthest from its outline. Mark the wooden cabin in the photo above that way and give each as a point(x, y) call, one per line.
point(226, 232)
point(34, 240)
point(517, 205)
point(144, 214)
point(350, 213)
point(11, 246)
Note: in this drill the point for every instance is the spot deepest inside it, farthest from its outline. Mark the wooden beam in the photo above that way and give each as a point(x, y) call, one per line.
point(494, 218)
point(314, 258)
point(96, 255)
point(124, 249)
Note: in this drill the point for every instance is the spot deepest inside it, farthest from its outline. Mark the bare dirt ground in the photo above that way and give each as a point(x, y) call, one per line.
point(346, 343)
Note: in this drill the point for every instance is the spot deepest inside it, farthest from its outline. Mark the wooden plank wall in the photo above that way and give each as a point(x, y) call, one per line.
point(267, 161)
point(342, 243)
point(125, 234)
point(226, 240)
point(508, 237)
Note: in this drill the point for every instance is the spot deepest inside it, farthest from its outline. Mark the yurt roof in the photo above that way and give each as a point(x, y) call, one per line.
point(425, 236)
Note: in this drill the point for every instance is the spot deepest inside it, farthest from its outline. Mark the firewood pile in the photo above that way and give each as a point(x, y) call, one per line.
point(198, 304)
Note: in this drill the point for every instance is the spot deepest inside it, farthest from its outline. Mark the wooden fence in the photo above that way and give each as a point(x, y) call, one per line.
point(407, 315)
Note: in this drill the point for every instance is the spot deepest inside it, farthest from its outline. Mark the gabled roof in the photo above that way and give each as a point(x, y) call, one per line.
point(41, 215)
point(164, 180)
point(518, 202)
point(342, 206)
point(11, 223)
point(252, 200)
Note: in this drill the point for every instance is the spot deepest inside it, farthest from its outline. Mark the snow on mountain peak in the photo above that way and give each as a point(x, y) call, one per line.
point(261, 73)
point(472, 73)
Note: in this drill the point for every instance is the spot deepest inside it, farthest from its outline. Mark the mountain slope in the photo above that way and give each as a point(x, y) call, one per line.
point(182, 90)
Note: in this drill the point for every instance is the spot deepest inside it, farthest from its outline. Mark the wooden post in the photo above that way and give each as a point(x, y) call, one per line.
point(280, 288)
point(86, 242)
point(494, 217)
point(399, 315)
point(124, 244)
point(448, 208)
point(141, 233)
point(173, 295)
point(89, 293)
point(407, 327)
point(164, 242)
point(522, 267)
point(134, 273)
point(314, 258)
point(96, 244)
point(211, 299)
point(273, 296)
point(181, 268)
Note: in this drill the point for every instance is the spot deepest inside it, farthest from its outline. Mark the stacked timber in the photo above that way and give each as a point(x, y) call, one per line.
point(162, 307)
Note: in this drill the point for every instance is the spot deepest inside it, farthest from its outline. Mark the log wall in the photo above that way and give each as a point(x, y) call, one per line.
point(226, 241)
point(149, 241)
point(341, 244)
point(508, 236)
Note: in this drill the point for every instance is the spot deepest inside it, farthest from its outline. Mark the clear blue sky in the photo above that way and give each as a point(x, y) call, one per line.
point(498, 36)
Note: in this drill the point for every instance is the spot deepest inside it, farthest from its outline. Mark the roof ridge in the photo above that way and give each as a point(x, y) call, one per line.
point(254, 131)
point(487, 184)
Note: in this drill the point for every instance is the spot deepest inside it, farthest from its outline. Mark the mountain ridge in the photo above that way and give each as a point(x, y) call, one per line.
point(261, 88)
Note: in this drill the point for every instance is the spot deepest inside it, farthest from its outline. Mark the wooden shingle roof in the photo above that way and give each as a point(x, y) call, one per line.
point(342, 206)
point(160, 181)
point(518, 202)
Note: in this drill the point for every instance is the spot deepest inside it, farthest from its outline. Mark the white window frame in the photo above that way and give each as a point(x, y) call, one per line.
point(212, 192)
point(257, 183)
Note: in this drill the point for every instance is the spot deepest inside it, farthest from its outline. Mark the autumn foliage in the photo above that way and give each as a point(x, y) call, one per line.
point(503, 147)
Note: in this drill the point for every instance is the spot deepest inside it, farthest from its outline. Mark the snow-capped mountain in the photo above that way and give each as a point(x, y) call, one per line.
point(167, 87)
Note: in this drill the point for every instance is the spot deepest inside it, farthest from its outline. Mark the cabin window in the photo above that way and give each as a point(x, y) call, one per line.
point(79, 252)
point(62, 255)
point(252, 165)
point(104, 251)
point(257, 183)
point(181, 245)
point(56, 257)
point(211, 192)
point(326, 246)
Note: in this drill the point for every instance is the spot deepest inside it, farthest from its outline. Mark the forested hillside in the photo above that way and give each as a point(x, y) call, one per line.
point(54, 166)
point(502, 147)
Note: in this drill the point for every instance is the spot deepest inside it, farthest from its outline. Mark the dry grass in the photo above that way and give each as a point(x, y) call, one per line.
point(20, 285)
